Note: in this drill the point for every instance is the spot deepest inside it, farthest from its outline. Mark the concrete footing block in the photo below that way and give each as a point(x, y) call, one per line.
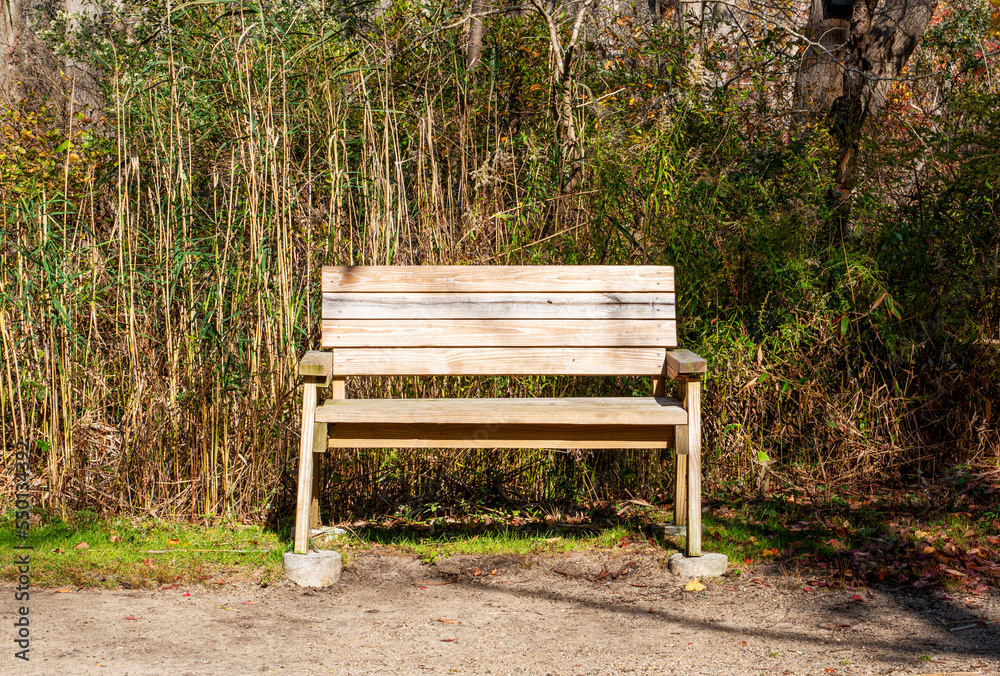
point(315, 569)
point(707, 565)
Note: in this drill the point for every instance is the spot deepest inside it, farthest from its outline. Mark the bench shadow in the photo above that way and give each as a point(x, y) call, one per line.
point(873, 551)
point(981, 641)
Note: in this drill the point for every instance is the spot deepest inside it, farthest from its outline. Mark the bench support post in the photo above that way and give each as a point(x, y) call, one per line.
point(338, 390)
point(303, 505)
point(688, 448)
point(680, 488)
point(319, 446)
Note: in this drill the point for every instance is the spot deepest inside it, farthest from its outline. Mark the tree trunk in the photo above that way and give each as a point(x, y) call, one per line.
point(28, 69)
point(570, 143)
point(846, 74)
point(475, 49)
point(26, 66)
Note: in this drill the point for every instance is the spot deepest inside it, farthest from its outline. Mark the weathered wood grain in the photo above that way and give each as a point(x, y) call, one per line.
point(680, 362)
point(688, 438)
point(498, 278)
point(499, 333)
point(485, 412)
point(303, 503)
point(316, 367)
point(385, 435)
point(405, 306)
point(498, 361)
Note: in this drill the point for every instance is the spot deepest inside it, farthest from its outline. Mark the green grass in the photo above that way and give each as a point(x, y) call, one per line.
point(120, 553)
point(503, 540)
point(918, 535)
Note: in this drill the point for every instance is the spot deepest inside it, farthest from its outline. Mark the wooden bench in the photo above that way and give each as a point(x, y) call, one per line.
point(503, 320)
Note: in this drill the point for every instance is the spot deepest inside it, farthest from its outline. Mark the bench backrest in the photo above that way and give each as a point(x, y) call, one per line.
point(499, 320)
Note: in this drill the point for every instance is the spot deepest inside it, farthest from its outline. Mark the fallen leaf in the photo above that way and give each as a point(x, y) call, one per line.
point(493, 572)
point(447, 621)
point(132, 617)
point(651, 611)
point(98, 664)
point(695, 586)
point(64, 590)
point(447, 640)
point(742, 642)
point(928, 550)
point(169, 586)
point(148, 562)
point(57, 551)
point(858, 597)
point(248, 603)
point(477, 571)
point(187, 593)
point(807, 589)
point(173, 543)
point(82, 545)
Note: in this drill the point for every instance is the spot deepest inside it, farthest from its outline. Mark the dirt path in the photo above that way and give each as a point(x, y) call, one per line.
point(525, 619)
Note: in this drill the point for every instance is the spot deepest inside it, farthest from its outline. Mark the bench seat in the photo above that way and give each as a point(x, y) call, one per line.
point(559, 411)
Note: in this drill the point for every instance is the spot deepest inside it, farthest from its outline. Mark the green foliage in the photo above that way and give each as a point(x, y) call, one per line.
point(161, 272)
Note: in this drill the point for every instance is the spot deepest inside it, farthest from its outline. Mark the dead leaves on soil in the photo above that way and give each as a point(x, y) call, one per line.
point(473, 574)
point(604, 575)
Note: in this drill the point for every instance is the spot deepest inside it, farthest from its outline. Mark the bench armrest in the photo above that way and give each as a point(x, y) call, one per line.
point(681, 362)
point(317, 367)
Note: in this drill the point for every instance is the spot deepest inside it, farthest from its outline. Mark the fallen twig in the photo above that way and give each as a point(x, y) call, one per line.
point(433, 584)
point(231, 551)
point(977, 623)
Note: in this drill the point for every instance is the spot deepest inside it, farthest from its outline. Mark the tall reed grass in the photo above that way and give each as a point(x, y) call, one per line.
point(160, 258)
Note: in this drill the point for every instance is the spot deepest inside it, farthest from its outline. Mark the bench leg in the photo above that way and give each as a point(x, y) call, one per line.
point(680, 488)
point(319, 447)
point(315, 520)
point(303, 505)
point(688, 445)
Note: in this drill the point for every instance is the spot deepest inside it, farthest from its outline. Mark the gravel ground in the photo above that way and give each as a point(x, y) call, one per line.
point(396, 615)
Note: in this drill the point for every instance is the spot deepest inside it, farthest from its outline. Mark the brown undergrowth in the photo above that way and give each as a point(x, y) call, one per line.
point(159, 260)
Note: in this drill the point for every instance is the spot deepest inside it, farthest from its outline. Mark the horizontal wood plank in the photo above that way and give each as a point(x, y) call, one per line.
point(499, 333)
point(486, 412)
point(499, 361)
point(404, 306)
point(498, 278)
point(381, 435)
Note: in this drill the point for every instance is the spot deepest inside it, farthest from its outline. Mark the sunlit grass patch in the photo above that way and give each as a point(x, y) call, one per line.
point(115, 553)
point(503, 540)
